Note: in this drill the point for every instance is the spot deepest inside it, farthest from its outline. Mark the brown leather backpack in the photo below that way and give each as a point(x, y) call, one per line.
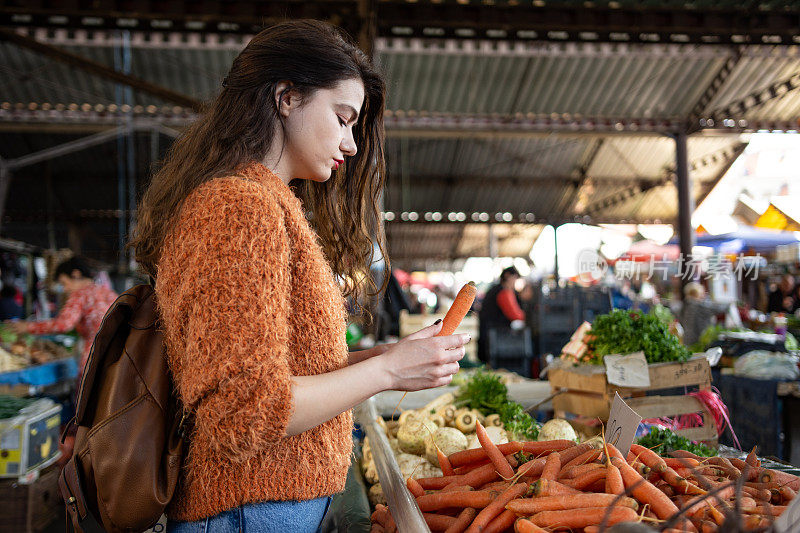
point(129, 441)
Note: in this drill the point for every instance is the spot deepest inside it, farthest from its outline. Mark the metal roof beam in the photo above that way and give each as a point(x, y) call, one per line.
point(99, 69)
point(65, 148)
point(739, 108)
point(239, 17)
point(579, 23)
point(713, 90)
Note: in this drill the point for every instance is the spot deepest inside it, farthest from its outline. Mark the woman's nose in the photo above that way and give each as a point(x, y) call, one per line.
point(348, 145)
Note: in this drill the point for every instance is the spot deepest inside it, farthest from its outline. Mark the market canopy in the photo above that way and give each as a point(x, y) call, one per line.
point(746, 239)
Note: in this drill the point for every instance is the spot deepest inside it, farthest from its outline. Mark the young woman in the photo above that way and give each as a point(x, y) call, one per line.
point(254, 319)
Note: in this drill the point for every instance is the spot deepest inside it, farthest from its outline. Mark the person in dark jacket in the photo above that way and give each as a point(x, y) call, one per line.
point(781, 300)
point(500, 309)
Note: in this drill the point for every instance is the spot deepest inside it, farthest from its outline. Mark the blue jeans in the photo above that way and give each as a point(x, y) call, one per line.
point(292, 516)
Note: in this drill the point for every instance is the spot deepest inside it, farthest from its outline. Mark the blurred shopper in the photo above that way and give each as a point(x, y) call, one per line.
point(500, 309)
point(85, 306)
point(10, 309)
point(697, 312)
point(782, 299)
point(260, 206)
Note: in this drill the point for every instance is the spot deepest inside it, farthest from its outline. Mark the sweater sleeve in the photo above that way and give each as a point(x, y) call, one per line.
point(67, 318)
point(228, 271)
point(508, 304)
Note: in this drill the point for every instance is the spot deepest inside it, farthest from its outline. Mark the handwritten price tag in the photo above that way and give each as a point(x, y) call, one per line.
point(627, 370)
point(789, 521)
point(622, 425)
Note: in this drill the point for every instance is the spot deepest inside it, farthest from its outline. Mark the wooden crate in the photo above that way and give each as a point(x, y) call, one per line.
point(590, 395)
point(31, 508)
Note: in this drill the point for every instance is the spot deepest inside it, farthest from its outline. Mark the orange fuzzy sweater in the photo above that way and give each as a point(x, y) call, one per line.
point(247, 300)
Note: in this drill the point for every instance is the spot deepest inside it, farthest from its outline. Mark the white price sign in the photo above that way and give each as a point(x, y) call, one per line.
point(622, 425)
point(789, 521)
point(627, 370)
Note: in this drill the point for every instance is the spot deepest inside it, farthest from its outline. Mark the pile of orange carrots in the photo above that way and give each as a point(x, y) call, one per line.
point(559, 485)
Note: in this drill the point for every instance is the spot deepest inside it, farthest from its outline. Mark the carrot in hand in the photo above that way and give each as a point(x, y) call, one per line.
point(459, 309)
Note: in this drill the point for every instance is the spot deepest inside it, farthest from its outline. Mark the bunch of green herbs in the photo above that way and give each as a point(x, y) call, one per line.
point(664, 441)
point(485, 392)
point(624, 332)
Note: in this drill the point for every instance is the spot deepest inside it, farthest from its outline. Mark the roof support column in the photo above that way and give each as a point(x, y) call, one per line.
point(5, 180)
point(685, 202)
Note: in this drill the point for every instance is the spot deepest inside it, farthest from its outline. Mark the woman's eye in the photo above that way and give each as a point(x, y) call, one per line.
point(342, 121)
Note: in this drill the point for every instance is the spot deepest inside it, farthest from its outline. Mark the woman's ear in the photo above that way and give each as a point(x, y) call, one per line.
point(286, 99)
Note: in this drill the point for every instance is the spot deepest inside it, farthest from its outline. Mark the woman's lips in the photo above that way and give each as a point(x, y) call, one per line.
point(338, 163)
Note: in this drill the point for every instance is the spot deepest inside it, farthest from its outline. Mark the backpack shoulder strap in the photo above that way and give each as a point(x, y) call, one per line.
point(120, 313)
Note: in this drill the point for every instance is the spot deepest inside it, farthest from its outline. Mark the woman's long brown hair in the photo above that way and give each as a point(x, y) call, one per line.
point(237, 128)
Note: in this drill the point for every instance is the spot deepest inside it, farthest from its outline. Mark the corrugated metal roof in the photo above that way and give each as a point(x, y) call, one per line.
point(588, 79)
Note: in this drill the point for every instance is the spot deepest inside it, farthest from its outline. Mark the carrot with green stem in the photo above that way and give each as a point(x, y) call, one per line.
point(614, 484)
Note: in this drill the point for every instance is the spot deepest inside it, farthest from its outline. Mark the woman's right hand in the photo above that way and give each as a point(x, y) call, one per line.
point(423, 361)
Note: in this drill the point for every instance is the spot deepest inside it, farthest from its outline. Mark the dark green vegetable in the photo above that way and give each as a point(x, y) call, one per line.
point(664, 441)
point(624, 332)
point(487, 393)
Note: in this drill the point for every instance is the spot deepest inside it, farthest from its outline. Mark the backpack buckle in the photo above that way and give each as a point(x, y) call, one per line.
point(182, 424)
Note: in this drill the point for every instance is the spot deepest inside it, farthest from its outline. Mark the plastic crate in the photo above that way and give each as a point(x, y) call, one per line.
point(29, 441)
point(512, 350)
point(30, 508)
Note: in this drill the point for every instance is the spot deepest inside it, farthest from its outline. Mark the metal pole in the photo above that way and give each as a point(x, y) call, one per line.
point(555, 252)
point(685, 202)
point(5, 181)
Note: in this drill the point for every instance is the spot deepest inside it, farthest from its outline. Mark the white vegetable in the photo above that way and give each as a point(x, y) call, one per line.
point(371, 473)
point(427, 470)
point(395, 446)
point(376, 495)
point(496, 434)
point(556, 429)
point(411, 435)
point(444, 399)
point(410, 464)
point(449, 440)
